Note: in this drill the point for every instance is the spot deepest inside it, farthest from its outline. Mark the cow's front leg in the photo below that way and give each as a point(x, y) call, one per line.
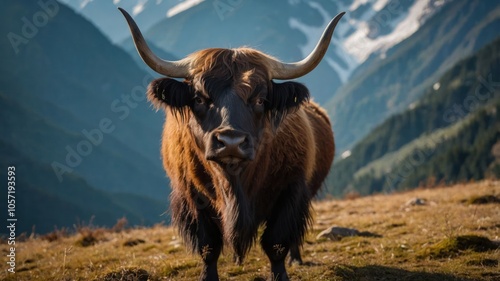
point(286, 227)
point(199, 231)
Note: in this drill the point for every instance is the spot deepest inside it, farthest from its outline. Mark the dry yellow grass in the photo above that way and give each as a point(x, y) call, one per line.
point(404, 252)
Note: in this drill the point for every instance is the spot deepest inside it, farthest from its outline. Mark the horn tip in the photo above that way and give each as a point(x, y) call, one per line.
point(123, 11)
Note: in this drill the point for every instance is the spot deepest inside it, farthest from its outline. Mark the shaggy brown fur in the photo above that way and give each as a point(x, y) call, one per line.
point(211, 206)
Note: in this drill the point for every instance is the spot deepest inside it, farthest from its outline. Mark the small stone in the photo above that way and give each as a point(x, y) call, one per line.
point(416, 202)
point(336, 233)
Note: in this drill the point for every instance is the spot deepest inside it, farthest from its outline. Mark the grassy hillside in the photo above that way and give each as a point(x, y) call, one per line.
point(385, 85)
point(425, 140)
point(448, 238)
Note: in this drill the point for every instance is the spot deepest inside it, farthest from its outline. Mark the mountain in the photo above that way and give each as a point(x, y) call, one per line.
point(42, 203)
point(369, 32)
point(158, 51)
point(259, 22)
point(73, 106)
point(388, 83)
point(450, 134)
point(290, 30)
point(104, 14)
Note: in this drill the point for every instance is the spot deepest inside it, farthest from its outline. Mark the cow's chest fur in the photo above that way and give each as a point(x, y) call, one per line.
point(239, 202)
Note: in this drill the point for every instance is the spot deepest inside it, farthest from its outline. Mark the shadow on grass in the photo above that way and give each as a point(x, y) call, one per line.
point(369, 234)
point(384, 273)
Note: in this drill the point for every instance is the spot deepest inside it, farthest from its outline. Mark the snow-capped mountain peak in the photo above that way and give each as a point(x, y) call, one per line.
point(313, 33)
point(370, 27)
point(182, 6)
point(386, 26)
point(138, 8)
point(104, 13)
point(374, 27)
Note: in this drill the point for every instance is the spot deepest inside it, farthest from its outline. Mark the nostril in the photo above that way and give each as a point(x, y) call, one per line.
point(219, 143)
point(230, 141)
point(230, 145)
point(244, 144)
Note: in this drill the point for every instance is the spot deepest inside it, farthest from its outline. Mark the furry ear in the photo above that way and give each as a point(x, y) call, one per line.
point(170, 92)
point(285, 97)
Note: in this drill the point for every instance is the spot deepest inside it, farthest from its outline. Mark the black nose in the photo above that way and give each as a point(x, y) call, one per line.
point(230, 146)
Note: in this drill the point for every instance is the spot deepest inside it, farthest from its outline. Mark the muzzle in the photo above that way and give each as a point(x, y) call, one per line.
point(230, 147)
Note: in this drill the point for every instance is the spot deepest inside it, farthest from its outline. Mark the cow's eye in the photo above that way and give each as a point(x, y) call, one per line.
point(259, 101)
point(199, 100)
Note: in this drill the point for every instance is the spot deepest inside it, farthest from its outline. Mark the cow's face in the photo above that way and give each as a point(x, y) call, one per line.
point(228, 103)
point(228, 97)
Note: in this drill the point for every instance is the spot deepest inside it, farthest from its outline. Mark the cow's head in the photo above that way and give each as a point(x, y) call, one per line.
point(228, 97)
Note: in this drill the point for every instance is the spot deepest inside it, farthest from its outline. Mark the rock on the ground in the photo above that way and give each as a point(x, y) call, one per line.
point(416, 202)
point(337, 232)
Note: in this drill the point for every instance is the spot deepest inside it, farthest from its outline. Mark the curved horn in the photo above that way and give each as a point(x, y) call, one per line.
point(175, 69)
point(293, 70)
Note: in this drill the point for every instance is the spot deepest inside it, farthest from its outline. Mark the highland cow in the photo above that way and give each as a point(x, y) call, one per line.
point(241, 150)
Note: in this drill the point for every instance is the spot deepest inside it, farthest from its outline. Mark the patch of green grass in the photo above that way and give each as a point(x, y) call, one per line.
point(483, 262)
point(174, 270)
point(86, 241)
point(451, 247)
point(483, 199)
point(236, 271)
point(89, 236)
point(128, 274)
point(133, 242)
point(149, 247)
point(385, 273)
point(173, 249)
